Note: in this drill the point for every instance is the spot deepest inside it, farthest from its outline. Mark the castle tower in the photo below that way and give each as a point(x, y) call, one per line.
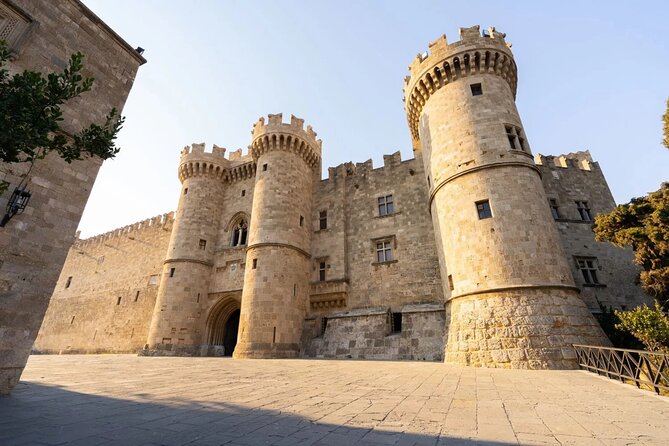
point(276, 279)
point(182, 295)
point(510, 294)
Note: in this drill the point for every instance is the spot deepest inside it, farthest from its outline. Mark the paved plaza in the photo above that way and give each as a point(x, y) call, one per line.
point(130, 400)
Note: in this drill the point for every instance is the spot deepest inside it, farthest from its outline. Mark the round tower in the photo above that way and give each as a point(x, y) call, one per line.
point(176, 326)
point(510, 293)
point(276, 279)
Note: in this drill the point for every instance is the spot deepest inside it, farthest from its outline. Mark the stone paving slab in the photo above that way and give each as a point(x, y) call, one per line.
point(130, 400)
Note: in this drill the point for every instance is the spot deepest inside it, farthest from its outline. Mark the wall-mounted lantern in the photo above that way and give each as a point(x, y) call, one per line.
point(17, 203)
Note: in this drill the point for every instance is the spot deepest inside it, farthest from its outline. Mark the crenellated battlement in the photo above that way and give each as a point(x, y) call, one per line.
point(581, 160)
point(163, 221)
point(277, 135)
point(357, 170)
point(475, 53)
point(195, 161)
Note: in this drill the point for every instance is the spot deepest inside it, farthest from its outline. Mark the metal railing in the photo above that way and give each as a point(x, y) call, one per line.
point(645, 369)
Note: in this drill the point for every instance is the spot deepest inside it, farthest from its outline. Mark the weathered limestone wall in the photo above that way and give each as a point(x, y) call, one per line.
point(106, 292)
point(34, 245)
point(576, 177)
point(367, 334)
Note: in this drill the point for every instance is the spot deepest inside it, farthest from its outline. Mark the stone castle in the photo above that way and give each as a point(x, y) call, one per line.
point(475, 251)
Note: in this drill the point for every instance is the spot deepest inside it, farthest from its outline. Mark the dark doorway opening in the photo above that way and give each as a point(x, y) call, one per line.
point(230, 338)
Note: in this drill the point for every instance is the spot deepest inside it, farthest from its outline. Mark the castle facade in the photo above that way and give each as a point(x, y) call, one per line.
point(475, 251)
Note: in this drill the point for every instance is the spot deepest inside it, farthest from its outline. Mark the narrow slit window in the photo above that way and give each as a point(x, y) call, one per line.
point(323, 220)
point(477, 90)
point(396, 323)
point(555, 208)
point(172, 272)
point(136, 296)
point(264, 167)
point(68, 282)
point(243, 192)
point(118, 300)
point(450, 282)
point(321, 271)
point(483, 209)
point(324, 325)
point(301, 220)
point(255, 264)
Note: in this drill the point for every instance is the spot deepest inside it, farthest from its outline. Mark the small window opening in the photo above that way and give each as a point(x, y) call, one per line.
point(136, 296)
point(301, 220)
point(198, 298)
point(172, 272)
point(555, 209)
point(243, 192)
point(483, 209)
point(584, 210)
point(386, 205)
point(588, 268)
point(477, 90)
point(203, 244)
point(118, 300)
point(323, 220)
point(240, 234)
point(274, 336)
point(72, 320)
point(428, 182)
point(185, 191)
point(515, 137)
point(255, 264)
point(384, 252)
point(68, 282)
point(396, 323)
point(450, 282)
point(321, 271)
point(324, 325)
point(294, 289)
point(264, 167)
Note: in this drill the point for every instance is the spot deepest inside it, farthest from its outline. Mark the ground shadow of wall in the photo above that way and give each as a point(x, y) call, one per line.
point(38, 414)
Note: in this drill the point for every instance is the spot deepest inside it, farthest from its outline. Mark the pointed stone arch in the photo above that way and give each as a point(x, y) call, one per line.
point(222, 325)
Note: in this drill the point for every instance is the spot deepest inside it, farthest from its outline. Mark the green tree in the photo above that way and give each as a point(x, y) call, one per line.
point(643, 224)
point(649, 325)
point(30, 115)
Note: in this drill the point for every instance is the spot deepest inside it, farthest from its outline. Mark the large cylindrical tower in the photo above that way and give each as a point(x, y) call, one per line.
point(182, 294)
point(276, 279)
point(511, 297)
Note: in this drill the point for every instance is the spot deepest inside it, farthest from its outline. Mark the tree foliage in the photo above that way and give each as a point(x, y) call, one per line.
point(665, 127)
point(649, 325)
point(643, 224)
point(30, 115)
point(609, 321)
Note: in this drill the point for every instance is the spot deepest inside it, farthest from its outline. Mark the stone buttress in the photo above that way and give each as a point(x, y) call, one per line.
point(176, 326)
point(510, 293)
point(276, 280)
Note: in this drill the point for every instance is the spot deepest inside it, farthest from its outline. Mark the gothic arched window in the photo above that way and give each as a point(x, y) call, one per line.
point(239, 233)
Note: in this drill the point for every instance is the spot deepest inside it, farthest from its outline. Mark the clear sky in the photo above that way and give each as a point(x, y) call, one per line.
point(592, 75)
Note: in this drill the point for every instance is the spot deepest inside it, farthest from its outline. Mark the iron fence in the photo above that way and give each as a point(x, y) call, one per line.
point(645, 369)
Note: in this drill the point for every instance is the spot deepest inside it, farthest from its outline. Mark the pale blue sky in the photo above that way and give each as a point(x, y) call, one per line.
point(592, 75)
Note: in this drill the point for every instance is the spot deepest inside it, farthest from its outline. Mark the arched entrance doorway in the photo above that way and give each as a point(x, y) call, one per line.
point(222, 327)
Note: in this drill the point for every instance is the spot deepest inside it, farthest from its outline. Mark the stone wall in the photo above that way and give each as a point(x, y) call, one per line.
point(34, 245)
point(576, 177)
point(106, 292)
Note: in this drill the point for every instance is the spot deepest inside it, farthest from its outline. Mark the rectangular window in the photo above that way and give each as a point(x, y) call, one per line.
point(386, 206)
point(324, 325)
point(264, 167)
point(384, 252)
point(515, 136)
point(477, 90)
point(584, 210)
point(185, 191)
point(555, 209)
point(483, 209)
point(323, 220)
point(172, 272)
point(243, 192)
point(450, 282)
point(203, 243)
point(321, 271)
point(396, 323)
point(301, 220)
point(255, 264)
point(118, 300)
point(68, 282)
point(136, 296)
point(588, 268)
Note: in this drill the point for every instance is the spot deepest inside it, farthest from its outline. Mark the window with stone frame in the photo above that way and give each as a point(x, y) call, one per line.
point(588, 267)
point(483, 209)
point(322, 220)
point(584, 210)
point(555, 208)
point(239, 233)
point(386, 205)
point(384, 251)
point(321, 271)
point(15, 25)
point(516, 137)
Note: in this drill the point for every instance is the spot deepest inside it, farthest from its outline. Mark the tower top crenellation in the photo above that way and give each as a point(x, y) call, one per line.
point(274, 134)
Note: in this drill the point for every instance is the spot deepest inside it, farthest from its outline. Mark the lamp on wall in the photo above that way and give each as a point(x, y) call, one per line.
point(17, 203)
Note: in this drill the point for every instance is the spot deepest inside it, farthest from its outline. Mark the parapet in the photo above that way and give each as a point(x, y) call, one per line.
point(581, 160)
point(360, 170)
point(475, 53)
point(163, 221)
point(195, 161)
point(277, 135)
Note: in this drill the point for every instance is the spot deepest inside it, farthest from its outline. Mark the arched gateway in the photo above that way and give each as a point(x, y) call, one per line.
point(222, 325)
